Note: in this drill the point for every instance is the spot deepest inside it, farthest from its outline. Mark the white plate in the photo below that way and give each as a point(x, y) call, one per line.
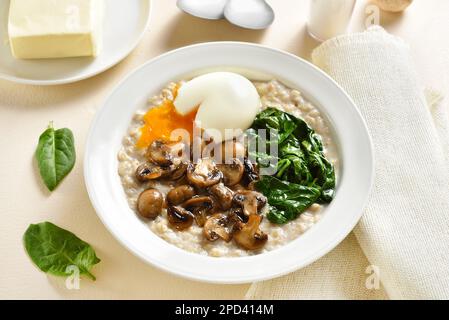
point(112, 121)
point(124, 25)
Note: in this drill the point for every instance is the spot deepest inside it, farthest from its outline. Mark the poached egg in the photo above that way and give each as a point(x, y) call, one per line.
point(227, 103)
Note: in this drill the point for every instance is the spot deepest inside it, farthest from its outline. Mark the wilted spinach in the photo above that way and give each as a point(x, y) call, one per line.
point(55, 155)
point(301, 166)
point(53, 249)
point(287, 200)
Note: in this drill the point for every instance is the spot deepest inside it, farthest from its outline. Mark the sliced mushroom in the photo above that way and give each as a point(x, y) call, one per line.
point(165, 153)
point(204, 174)
point(237, 187)
point(178, 171)
point(248, 235)
point(200, 206)
point(250, 201)
point(252, 185)
point(232, 172)
point(180, 182)
point(236, 215)
point(149, 203)
point(179, 217)
point(223, 194)
point(180, 194)
point(216, 227)
point(150, 171)
point(250, 173)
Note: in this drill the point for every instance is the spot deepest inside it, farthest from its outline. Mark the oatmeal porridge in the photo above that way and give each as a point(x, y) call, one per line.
point(273, 94)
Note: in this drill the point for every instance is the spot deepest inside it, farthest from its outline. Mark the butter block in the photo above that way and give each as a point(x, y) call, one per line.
point(40, 29)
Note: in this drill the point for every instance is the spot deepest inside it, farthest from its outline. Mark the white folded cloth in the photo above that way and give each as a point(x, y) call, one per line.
point(338, 275)
point(404, 232)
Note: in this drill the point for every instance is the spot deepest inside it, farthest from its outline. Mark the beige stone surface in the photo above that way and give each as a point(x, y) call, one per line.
point(26, 110)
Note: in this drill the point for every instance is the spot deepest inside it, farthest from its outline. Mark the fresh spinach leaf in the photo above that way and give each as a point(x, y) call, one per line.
point(55, 155)
point(300, 162)
point(287, 200)
point(53, 249)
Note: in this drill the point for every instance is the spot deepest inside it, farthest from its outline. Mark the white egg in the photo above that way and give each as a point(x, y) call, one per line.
point(252, 14)
point(207, 9)
point(225, 100)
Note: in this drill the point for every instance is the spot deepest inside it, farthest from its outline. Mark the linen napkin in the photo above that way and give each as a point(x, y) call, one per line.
point(404, 232)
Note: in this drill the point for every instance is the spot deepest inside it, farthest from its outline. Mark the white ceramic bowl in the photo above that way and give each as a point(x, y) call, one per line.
point(112, 121)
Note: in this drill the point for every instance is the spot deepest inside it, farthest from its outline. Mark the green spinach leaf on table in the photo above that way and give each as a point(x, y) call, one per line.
point(54, 249)
point(55, 155)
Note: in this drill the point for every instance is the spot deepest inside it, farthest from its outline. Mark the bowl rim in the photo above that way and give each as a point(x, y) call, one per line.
point(320, 252)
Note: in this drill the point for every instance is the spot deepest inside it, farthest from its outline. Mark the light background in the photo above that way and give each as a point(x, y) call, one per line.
point(26, 110)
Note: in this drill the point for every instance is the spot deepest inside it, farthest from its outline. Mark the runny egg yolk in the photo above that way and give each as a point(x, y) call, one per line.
point(160, 121)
